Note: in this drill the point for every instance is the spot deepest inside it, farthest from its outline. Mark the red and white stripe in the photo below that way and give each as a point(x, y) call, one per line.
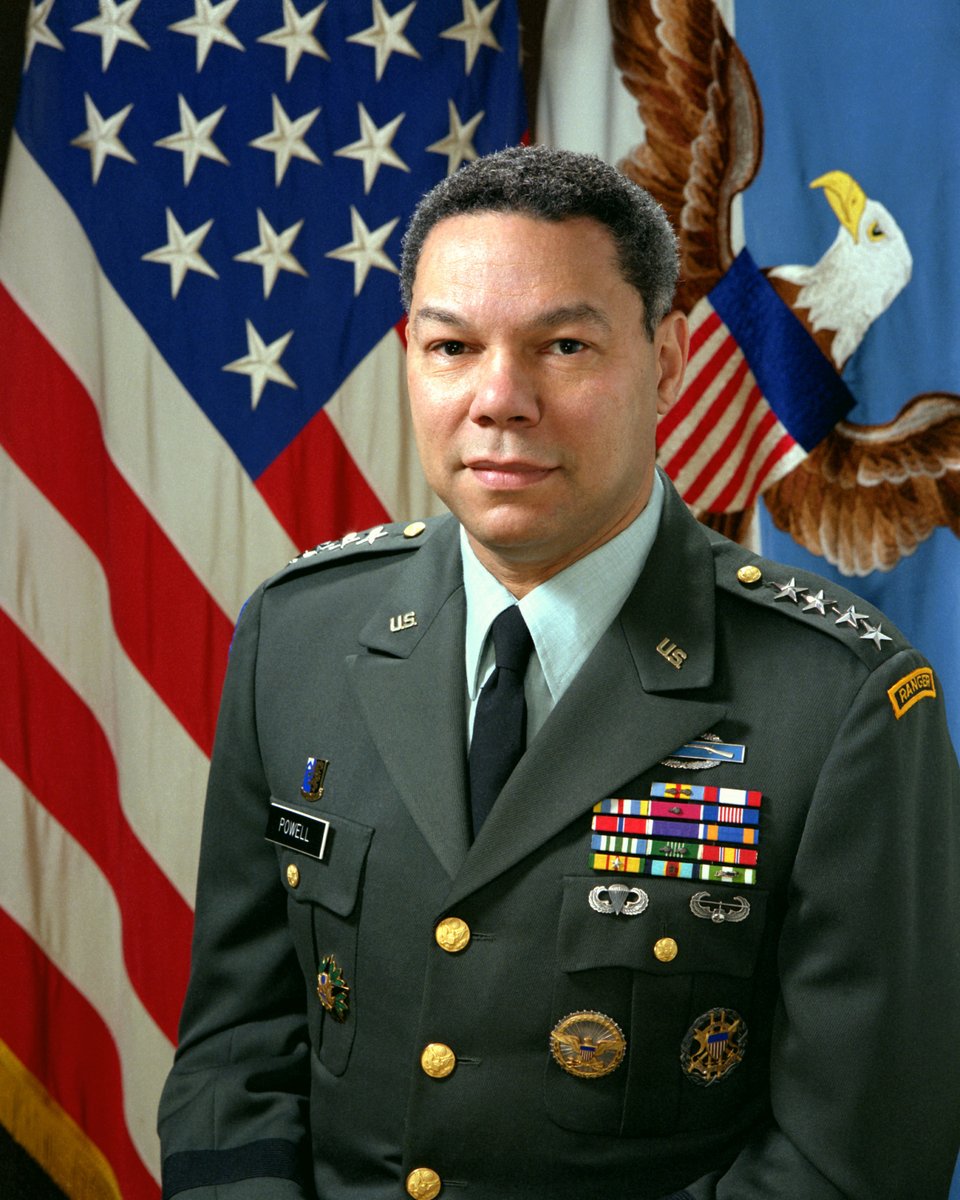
point(132, 536)
point(721, 443)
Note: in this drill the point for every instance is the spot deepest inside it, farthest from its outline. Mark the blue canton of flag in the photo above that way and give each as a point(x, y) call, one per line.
point(245, 171)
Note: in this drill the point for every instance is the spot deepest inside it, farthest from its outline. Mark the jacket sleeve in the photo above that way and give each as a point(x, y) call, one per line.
point(865, 1055)
point(233, 1116)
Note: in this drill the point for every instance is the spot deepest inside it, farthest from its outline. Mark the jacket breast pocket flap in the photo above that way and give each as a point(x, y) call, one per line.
point(326, 897)
point(334, 879)
point(659, 926)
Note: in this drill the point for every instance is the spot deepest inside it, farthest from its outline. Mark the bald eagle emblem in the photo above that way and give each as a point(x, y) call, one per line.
point(587, 1044)
point(763, 407)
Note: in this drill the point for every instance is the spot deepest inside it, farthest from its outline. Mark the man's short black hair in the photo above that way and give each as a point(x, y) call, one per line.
point(558, 185)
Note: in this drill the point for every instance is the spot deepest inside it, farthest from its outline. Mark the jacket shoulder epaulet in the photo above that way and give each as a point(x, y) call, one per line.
point(803, 596)
point(393, 538)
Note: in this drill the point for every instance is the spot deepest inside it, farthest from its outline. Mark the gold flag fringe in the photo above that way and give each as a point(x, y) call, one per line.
point(50, 1136)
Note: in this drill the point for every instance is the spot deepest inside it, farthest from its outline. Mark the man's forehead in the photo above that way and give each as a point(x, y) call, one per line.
point(493, 224)
point(569, 262)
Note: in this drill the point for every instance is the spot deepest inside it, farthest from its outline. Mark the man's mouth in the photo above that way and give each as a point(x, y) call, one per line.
point(507, 474)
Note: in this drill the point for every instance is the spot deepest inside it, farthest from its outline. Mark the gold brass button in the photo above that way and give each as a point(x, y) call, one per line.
point(749, 575)
point(414, 529)
point(423, 1184)
point(452, 934)
point(438, 1060)
point(665, 949)
point(293, 876)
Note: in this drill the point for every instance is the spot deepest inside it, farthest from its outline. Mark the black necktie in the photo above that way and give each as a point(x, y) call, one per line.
point(500, 722)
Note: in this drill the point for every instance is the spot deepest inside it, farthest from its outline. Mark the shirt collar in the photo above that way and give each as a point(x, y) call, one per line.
point(567, 614)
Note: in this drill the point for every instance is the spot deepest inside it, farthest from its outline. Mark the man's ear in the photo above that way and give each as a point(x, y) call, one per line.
point(671, 344)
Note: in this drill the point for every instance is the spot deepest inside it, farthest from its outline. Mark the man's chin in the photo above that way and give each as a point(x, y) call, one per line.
point(511, 541)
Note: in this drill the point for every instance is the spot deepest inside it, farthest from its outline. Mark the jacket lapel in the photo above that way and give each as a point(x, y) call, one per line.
point(628, 708)
point(410, 683)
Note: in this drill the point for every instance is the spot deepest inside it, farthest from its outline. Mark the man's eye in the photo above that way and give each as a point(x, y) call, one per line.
point(567, 346)
point(450, 349)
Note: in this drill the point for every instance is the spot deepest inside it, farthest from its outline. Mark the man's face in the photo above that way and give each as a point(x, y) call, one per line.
point(534, 389)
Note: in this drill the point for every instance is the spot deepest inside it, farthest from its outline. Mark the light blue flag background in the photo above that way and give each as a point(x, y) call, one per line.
point(873, 90)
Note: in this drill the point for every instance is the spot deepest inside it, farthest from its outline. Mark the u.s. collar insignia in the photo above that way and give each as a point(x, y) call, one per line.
point(703, 753)
point(588, 1044)
point(333, 992)
point(713, 1045)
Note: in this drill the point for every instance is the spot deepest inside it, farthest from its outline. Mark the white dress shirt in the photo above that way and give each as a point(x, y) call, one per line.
point(565, 615)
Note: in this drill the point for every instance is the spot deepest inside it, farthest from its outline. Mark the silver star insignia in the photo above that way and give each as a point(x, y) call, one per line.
point(816, 603)
point(788, 591)
point(374, 535)
point(874, 635)
point(850, 617)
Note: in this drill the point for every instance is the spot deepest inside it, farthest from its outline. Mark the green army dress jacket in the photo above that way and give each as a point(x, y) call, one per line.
point(376, 1022)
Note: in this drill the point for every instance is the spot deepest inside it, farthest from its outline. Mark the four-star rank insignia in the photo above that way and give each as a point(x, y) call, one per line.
point(333, 992)
point(713, 1045)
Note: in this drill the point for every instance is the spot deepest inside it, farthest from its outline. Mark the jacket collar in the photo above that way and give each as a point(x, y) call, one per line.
point(640, 695)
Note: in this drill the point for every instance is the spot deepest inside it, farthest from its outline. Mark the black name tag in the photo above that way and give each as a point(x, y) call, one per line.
point(296, 830)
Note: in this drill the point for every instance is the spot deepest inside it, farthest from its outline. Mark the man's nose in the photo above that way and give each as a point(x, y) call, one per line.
point(505, 391)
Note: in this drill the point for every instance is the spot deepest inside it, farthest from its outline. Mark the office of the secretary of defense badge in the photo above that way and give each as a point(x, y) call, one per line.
point(588, 1044)
point(334, 993)
point(713, 1045)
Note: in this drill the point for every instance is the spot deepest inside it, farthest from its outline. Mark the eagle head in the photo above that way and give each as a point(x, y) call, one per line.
point(860, 275)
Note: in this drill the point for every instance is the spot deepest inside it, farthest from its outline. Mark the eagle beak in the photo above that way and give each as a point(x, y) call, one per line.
point(845, 196)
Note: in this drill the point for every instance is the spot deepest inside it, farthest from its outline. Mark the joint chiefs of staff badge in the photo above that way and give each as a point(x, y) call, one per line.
point(713, 1045)
point(588, 1044)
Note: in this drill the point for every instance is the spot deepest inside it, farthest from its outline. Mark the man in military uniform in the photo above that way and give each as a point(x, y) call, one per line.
point(696, 941)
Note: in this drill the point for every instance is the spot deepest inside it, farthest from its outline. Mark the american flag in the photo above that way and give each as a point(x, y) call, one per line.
point(741, 422)
point(199, 243)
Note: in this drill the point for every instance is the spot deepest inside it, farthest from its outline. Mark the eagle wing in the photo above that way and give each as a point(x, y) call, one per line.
point(704, 127)
point(867, 495)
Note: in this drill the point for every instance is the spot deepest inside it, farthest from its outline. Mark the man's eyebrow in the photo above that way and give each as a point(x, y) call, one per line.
point(549, 319)
point(442, 316)
point(565, 313)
